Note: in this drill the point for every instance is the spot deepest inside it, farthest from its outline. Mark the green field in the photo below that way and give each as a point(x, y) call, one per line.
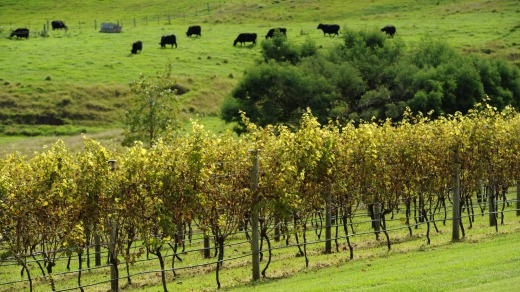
point(76, 81)
point(83, 74)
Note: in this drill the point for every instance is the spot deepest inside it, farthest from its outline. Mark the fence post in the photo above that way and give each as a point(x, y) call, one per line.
point(254, 217)
point(114, 273)
point(518, 198)
point(455, 235)
point(208, 6)
point(135, 23)
point(95, 24)
point(377, 217)
point(207, 253)
point(328, 222)
point(97, 250)
point(492, 205)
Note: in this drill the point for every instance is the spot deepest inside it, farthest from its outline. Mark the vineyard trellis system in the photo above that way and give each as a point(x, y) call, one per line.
point(273, 183)
point(194, 244)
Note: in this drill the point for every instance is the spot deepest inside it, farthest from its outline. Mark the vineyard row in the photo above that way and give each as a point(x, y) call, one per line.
point(273, 176)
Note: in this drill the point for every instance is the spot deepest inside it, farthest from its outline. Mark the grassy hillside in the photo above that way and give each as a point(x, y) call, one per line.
point(77, 79)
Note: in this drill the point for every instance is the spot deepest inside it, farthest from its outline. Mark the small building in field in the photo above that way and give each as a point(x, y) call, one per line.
point(110, 27)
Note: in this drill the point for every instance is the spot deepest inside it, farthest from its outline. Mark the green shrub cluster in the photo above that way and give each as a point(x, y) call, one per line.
point(368, 76)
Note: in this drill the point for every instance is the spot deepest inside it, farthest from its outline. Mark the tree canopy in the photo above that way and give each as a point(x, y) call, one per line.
point(154, 110)
point(367, 76)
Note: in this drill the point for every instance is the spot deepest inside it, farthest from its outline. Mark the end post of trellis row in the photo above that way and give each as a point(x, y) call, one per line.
point(455, 236)
point(255, 247)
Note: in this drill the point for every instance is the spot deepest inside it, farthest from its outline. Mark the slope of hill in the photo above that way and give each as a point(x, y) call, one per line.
point(76, 80)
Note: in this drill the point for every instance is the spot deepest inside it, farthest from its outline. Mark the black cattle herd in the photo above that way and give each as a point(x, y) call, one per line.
point(195, 30)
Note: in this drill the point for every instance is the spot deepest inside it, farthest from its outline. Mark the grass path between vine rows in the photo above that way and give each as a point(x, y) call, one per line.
point(488, 264)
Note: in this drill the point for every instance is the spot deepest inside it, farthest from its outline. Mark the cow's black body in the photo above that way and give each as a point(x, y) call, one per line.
point(194, 30)
point(389, 29)
point(329, 29)
point(245, 38)
point(168, 40)
point(137, 47)
point(58, 24)
point(20, 33)
point(271, 32)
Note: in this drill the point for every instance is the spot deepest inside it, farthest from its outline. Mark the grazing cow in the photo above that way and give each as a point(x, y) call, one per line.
point(20, 33)
point(329, 28)
point(389, 29)
point(58, 24)
point(271, 32)
point(244, 38)
point(168, 40)
point(137, 46)
point(193, 30)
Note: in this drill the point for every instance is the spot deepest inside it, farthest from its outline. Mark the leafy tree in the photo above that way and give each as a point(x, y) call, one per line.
point(367, 76)
point(154, 111)
point(501, 81)
point(274, 93)
point(279, 49)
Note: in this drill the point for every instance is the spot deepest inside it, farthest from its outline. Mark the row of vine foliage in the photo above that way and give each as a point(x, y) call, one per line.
point(60, 200)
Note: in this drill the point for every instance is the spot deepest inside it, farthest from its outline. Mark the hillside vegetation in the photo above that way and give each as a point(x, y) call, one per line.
point(76, 81)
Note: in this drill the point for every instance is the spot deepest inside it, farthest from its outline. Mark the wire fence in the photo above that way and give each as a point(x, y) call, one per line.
point(222, 7)
point(239, 244)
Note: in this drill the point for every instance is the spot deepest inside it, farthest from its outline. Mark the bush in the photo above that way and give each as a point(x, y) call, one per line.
point(368, 76)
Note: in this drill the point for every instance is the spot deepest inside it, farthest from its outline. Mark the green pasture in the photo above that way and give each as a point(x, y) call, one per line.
point(85, 73)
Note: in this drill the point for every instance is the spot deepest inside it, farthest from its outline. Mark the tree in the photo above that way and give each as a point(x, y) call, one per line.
point(154, 111)
point(367, 76)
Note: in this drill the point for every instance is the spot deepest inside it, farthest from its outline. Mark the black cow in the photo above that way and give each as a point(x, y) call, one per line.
point(329, 28)
point(244, 38)
point(168, 40)
point(389, 29)
point(58, 24)
point(271, 32)
point(20, 33)
point(193, 30)
point(137, 46)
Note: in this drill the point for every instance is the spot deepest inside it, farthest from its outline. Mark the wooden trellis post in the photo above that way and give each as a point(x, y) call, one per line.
point(254, 218)
point(455, 236)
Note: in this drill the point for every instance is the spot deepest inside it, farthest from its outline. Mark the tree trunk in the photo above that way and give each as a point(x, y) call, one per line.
point(49, 266)
point(328, 224)
point(383, 225)
point(407, 214)
point(305, 245)
point(492, 207)
point(163, 273)
point(425, 216)
point(80, 267)
point(220, 240)
point(24, 266)
point(300, 252)
point(264, 235)
point(33, 248)
point(345, 228)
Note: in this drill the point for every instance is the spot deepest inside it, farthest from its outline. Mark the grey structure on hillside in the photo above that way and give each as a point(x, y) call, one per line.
point(110, 27)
